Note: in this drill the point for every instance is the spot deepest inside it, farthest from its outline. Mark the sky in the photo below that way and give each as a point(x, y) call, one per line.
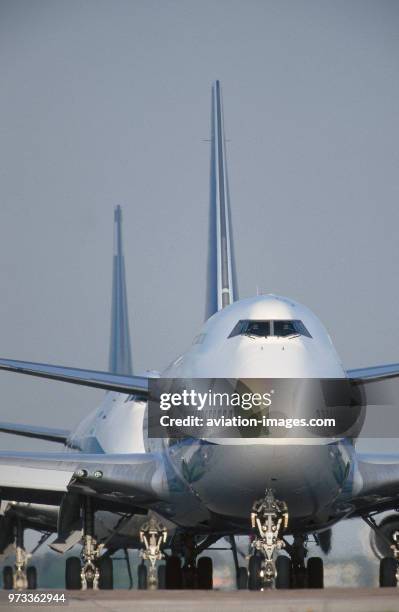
point(105, 103)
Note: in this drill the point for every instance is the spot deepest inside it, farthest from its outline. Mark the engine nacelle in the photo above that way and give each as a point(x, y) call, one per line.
point(379, 544)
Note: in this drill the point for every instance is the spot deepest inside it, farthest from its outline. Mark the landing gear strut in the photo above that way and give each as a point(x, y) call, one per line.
point(20, 573)
point(153, 536)
point(91, 551)
point(20, 576)
point(92, 571)
point(269, 517)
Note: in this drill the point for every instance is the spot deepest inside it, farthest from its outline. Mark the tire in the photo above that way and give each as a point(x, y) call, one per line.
point(173, 573)
point(142, 581)
point(4, 534)
point(388, 568)
point(73, 581)
point(283, 569)
point(189, 577)
point(161, 577)
point(382, 539)
point(106, 569)
point(31, 575)
point(315, 572)
point(8, 578)
point(242, 578)
point(205, 573)
point(254, 566)
point(298, 577)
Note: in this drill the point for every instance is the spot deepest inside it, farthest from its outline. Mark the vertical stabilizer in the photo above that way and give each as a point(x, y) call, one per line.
point(120, 358)
point(221, 280)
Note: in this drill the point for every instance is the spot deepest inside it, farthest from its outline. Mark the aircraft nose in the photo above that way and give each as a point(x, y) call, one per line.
point(299, 475)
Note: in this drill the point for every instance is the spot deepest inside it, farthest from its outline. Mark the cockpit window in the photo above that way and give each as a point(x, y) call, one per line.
point(251, 328)
point(258, 328)
point(300, 328)
point(285, 328)
point(263, 329)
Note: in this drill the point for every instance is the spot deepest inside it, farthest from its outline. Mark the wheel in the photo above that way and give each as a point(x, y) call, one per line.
point(189, 577)
point(242, 578)
point(73, 580)
point(205, 573)
point(5, 533)
point(142, 577)
point(254, 567)
point(173, 573)
point(31, 576)
point(283, 569)
point(8, 578)
point(298, 577)
point(388, 568)
point(315, 572)
point(382, 539)
point(106, 569)
point(161, 577)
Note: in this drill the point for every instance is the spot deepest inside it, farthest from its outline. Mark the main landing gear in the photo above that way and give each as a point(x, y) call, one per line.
point(195, 573)
point(269, 519)
point(389, 566)
point(91, 571)
point(153, 536)
point(181, 569)
point(20, 576)
point(386, 545)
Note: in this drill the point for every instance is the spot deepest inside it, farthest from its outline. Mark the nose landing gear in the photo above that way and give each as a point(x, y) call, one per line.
point(269, 517)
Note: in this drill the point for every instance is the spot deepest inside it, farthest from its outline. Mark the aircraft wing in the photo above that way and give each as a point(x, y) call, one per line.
point(88, 378)
point(378, 372)
point(133, 479)
point(50, 434)
point(377, 483)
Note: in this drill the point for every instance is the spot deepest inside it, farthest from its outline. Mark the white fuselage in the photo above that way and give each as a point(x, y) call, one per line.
point(214, 354)
point(303, 474)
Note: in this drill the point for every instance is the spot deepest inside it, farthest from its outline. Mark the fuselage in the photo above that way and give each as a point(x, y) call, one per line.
point(222, 478)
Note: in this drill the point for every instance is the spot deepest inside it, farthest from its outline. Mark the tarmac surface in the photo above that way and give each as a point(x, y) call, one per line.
point(327, 600)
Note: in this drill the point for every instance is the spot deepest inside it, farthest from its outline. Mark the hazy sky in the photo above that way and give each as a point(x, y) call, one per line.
point(108, 102)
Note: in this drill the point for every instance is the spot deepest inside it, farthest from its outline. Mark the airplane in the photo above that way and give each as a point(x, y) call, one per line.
point(113, 487)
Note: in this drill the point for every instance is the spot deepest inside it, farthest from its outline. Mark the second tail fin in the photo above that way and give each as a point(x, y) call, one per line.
point(120, 357)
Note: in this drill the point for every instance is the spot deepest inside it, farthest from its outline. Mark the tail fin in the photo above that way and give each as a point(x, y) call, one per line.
point(120, 358)
point(221, 281)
